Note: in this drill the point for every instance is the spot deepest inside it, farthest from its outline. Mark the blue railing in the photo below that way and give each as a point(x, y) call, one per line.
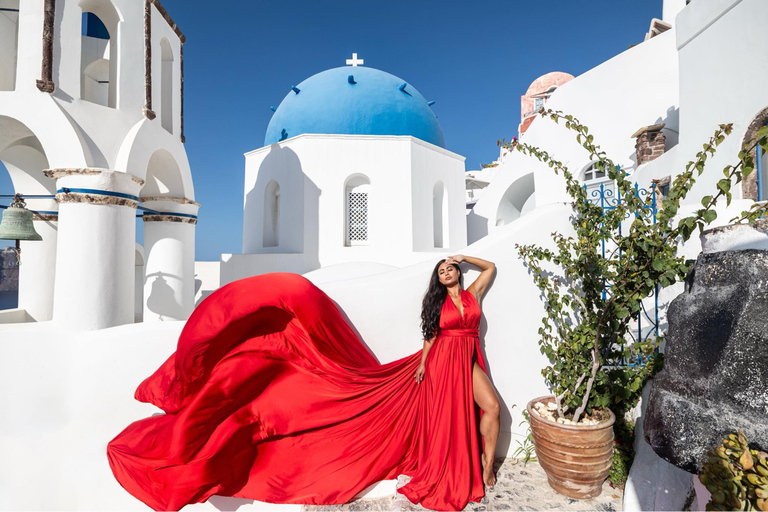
point(759, 171)
point(608, 199)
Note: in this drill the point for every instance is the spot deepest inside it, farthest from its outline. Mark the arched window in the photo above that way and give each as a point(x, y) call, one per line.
point(9, 43)
point(98, 53)
point(440, 215)
point(271, 232)
point(592, 173)
point(593, 178)
point(357, 210)
point(166, 86)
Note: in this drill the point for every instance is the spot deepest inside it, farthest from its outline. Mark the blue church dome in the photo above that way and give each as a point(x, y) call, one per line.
point(354, 100)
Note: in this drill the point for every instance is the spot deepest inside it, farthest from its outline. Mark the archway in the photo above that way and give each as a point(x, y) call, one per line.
point(519, 199)
point(169, 222)
point(163, 176)
point(23, 157)
point(99, 52)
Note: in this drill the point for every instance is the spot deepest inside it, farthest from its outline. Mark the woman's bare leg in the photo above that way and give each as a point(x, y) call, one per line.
point(486, 398)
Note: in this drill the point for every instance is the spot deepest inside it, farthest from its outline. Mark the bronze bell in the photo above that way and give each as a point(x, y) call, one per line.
point(16, 223)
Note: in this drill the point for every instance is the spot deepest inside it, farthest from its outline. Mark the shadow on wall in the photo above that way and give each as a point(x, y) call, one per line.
point(671, 128)
point(227, 503)
point(162, 300)
point(671, 132)
point(477, 227)
point(295, 217)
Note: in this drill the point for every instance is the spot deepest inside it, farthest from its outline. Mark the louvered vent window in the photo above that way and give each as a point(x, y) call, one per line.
point(358, 217)
point(357, 210)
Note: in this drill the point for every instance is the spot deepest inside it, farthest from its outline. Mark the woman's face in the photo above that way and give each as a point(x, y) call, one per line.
point(448, 274)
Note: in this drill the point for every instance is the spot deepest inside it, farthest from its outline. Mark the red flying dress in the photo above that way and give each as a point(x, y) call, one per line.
point(271, 396)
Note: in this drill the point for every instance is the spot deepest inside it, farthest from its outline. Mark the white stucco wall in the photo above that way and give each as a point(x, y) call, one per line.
point(633, 89)
point(734, 93)
point(207, 279)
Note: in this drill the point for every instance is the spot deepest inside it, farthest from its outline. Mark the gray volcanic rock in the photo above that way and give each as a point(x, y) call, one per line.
point(715, 376)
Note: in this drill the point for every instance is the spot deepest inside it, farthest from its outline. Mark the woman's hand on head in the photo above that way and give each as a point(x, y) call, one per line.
point(419, 375)
point(457, 258)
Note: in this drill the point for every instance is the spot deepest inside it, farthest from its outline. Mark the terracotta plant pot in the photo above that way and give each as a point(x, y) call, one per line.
point(576, 458)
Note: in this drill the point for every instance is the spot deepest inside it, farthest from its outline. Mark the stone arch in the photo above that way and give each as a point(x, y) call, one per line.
point(99, 63)
point(25, 159)
point(141, 143)
point(163, 178)
point(9, 43)
point(440, 215)
point(271, 231)
point(519, 199)
point(51, 127)
point(169, 220)
point(166, 85)
point(357, 210)
point(23, 156)
point(749, 188)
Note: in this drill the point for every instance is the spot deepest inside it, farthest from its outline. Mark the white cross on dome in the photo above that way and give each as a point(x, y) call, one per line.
point(354, 61)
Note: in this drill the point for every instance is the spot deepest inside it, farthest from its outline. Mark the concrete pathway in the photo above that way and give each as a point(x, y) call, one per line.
point(517, 487)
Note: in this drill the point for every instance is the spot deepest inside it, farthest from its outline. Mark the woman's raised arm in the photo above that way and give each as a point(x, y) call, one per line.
point(478, 287)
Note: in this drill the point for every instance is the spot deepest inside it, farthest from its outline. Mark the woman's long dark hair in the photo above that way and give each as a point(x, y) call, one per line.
point(433, 302)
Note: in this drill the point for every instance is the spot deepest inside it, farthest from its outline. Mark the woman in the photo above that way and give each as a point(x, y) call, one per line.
point(271, 396)
point(449, 319)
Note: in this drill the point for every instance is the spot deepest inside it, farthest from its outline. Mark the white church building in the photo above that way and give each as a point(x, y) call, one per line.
point(354, 168)
point(98, 123)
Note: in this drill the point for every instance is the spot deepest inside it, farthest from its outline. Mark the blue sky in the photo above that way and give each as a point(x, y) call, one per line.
point(474, 58)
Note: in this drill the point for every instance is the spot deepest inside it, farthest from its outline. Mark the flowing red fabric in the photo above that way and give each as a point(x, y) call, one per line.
point(271, 396)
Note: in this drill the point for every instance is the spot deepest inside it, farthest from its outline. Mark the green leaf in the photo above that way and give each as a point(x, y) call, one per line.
point(724, 185)
point(705, 201)
point(708, 216)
